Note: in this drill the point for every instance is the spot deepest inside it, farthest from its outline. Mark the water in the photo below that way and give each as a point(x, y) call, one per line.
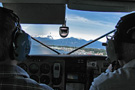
point(40, 50)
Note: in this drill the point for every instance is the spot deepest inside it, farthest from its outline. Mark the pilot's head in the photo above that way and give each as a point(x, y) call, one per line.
point(14, 42)
point(122, 45)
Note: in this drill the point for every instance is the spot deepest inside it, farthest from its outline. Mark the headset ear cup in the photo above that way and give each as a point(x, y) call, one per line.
point(111, 53)
point(21, 41)
point(22, 46)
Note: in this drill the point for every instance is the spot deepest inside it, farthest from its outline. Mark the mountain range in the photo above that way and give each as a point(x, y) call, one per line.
point(71, 42)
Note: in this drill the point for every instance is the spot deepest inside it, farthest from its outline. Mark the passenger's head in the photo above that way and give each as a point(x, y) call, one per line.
point(7, 27)
point(14, 42)
point(124, 38)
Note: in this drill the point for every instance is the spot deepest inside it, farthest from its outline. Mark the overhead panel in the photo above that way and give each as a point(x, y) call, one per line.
point(38, 13)
point(34, 1)
point(103, 5)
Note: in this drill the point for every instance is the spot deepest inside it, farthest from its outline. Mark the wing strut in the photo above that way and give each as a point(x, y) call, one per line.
point(91, 41)
point(45, 45)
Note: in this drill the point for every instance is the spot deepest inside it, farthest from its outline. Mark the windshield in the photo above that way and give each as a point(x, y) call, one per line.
point(84, 26)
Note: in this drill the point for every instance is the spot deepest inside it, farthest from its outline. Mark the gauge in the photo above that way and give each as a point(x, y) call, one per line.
point(45, 68)
point(56, 88)
point(24, 66)
point(45, 79)
point(56, 81)
point(34, 77)
point(33, 68)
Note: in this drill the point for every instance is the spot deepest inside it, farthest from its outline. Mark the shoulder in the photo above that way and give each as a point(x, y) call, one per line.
point(116, 79)
point(30, 84)
point(101, 78)
point(107, 78)
point(35, 84)
point(45, 87)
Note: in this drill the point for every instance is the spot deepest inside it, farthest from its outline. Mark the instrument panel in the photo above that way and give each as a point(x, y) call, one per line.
point(65, 72)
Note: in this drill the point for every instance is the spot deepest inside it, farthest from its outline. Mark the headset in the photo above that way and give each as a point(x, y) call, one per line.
point(113, 45)
point(21, 41)
point(124, 33)
point(111, 50)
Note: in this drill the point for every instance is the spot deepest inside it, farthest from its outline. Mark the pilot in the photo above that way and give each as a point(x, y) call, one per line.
point(120, 49)
point(14, 47)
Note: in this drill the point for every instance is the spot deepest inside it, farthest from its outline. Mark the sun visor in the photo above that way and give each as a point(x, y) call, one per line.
point(103, 5)
point(38, 13)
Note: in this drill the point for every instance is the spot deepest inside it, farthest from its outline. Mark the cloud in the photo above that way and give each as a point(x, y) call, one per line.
point(76, 18)
point(86, 21)
point(25, 26)
point(88, 28)
point(79, 27)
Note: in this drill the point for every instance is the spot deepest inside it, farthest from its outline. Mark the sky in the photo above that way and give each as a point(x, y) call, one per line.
point(86, 25)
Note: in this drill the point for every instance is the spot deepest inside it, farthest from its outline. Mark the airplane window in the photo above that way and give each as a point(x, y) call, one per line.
point(1, 4)
point(84, 26)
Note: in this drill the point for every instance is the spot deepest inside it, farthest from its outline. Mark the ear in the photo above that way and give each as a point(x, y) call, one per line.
point(22, 46)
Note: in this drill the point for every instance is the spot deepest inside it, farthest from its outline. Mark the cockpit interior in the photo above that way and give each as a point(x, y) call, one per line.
point(68, 70)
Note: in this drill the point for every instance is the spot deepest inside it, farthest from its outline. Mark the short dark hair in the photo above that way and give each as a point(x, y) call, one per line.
point(7, 27)
point(125, 29)
point(124, 36)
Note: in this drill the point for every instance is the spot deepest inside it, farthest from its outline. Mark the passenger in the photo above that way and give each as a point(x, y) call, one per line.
point(120, 48)
point(14, 47)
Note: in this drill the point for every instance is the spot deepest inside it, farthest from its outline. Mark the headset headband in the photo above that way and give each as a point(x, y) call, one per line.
point(125, 29)
point(21, 41)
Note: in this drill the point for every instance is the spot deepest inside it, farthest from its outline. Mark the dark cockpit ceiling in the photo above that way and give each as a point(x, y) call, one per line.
point(38, 13)
point(53, 11)
point(103, 5)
